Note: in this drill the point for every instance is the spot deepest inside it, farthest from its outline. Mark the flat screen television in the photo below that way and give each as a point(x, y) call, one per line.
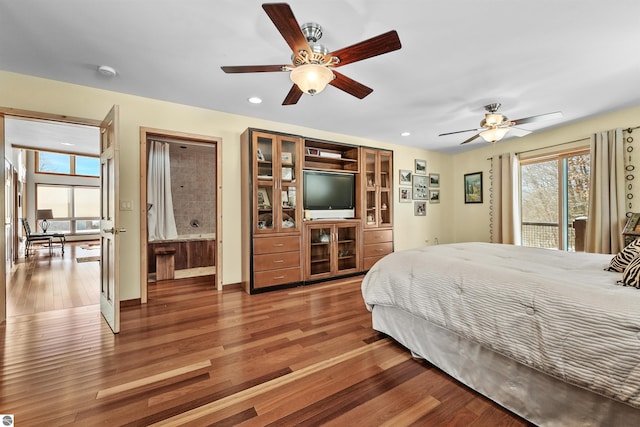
point(328, 194)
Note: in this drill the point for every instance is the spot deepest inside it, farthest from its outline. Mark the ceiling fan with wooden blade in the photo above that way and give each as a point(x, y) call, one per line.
point(495, 125)
point(313, 65)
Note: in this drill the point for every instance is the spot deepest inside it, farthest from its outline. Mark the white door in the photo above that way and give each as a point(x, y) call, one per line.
point(109, 242)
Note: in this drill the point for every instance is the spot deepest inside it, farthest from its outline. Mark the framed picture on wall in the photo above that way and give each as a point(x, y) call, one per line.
point(420, 187)
point(434, 180)
point(434, 196)
point(405, 195)
point(405, 177)
point(421, 167)
point(420, 208)
point(473, 187)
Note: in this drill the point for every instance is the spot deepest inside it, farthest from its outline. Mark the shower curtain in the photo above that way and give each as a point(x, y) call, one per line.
point(160, 219)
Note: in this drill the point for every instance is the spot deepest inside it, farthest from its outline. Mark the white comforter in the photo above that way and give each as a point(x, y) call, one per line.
point(558, 312)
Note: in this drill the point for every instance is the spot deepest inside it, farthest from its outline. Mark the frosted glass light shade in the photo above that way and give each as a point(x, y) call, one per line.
point(311, 78)
point(494, 135)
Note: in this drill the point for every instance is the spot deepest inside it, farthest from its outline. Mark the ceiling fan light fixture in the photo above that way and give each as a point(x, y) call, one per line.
point(494, 134)
point(493, 119)
point(311, 78)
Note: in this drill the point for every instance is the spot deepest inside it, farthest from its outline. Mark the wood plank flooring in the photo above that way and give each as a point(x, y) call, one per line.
point(196, 356)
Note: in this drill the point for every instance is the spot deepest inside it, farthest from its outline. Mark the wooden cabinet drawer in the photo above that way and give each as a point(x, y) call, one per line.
point(378, 249)
point(270, 245)
point(276, 261)
point(369, 261)
point(378, 236)
point(263, 279)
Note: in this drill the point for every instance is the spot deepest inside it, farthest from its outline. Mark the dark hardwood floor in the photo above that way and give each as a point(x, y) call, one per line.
point(196, 356)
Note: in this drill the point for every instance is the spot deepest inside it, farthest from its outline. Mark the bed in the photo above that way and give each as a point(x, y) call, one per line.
point(549, 335)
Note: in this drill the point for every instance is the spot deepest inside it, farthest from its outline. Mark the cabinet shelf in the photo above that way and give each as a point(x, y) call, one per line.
point(314, 260)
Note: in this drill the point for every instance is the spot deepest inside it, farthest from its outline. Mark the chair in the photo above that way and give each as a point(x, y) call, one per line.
point(34, 237)
point(41, 237)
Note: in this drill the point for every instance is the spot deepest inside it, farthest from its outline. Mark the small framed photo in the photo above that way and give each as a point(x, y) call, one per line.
point(263, 198)
point(405, 177)
point(434, 196)
point(287, 174)
point(313, 151)
point(405, 195)
point(473, 187)
point(287, 159)
point(421, 167)
point(420, 208)
point(434, 180)
point(259, 155)
point(420, 187)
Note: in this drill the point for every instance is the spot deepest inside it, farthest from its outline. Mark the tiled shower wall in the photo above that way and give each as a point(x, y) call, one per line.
point(193, 187)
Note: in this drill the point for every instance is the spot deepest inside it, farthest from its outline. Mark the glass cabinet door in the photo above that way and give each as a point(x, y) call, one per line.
point(371, 214)
point(320, 238)
point(347, 251)
point(265, 188)
point(386, 171)
point(289, 171)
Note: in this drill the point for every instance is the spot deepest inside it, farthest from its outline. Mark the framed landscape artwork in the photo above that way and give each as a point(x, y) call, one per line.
point(421, 167)
point(473, 187)
point(405, 177)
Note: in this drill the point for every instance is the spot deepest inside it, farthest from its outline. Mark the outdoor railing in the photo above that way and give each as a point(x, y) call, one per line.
point(545, 235)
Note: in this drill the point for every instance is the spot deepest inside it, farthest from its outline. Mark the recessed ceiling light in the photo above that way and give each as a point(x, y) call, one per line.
point(67, 143)
point(405, 134)
point(255, 100)
point(107, 71)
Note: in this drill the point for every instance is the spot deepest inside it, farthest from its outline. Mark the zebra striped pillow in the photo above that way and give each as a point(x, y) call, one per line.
point(631, 275)
point(620, 261)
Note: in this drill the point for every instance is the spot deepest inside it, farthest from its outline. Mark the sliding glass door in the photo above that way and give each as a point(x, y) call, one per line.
point(554, 200)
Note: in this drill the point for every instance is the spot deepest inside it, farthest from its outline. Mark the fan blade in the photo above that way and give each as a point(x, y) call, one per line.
point(462, 131)
point(518, 132)
point(253, 68)
point(293, 96)
point(282, 17)
point(539, 118)
point(384, 43)
point(470, 139)
point(350, 86)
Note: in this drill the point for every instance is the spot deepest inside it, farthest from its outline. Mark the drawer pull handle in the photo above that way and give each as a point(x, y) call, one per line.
point(278, 244)
point(379, 250)
point(278, 277)
point(278, 260)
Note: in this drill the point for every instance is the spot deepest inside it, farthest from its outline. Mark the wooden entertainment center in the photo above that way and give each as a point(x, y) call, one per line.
point(281, 245)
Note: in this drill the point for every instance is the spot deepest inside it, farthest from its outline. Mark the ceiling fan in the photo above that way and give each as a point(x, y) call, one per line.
point(495, 125)
point(313, 66)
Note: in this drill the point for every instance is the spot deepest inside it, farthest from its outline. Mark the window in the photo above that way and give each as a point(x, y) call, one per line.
point(67, 164)
point(555, 200)
point(76, 209)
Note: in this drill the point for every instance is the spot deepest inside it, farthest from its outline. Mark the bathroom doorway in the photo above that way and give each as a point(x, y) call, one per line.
point(181, 190)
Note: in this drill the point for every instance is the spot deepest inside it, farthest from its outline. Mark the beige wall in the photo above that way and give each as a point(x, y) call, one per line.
point(30, 93)
point(472, 220)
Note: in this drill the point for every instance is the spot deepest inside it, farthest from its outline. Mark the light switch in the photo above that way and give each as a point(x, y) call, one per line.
point(126, 205)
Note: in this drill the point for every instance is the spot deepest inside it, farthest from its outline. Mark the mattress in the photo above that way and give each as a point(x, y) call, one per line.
point(559, 313)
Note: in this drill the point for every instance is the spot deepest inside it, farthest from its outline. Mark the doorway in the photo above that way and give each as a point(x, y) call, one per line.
point(74, 139)
point(181, 188)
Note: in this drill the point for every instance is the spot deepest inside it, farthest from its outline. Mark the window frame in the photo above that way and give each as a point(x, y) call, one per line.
point(72, 164)
point(73, 219)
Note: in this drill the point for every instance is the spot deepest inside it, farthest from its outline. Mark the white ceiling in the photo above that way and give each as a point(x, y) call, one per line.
point(581, 57)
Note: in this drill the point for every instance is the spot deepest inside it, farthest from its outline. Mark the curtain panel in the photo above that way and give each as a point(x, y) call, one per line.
point(606, 193)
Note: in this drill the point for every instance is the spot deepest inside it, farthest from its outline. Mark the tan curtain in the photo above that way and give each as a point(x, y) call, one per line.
point(606, 193)
point(505, 199)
